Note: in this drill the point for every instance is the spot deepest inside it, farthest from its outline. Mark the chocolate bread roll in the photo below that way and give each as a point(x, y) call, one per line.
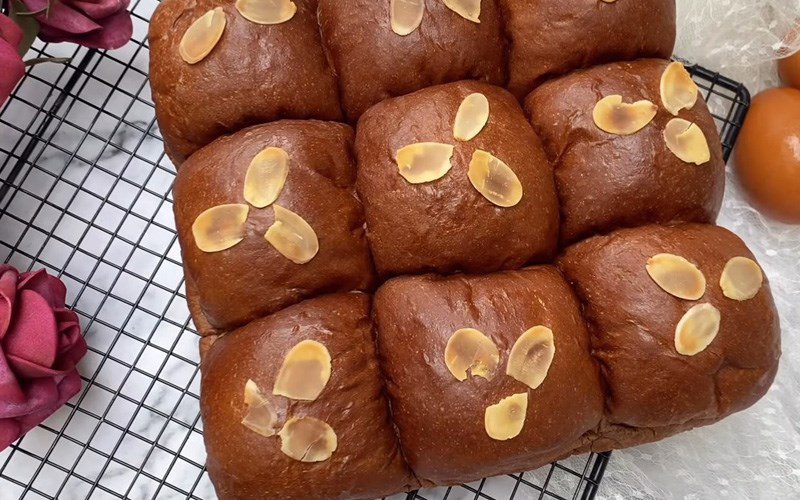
point(253, 73)
point(442, 223)
point(638, 288)
point(613, 177)
point(250, 277)
point(352, 451)
point(440, 419)
point(374, 62)
point(548, 39)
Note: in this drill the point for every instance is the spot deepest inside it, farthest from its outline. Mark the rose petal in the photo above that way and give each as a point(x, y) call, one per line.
point(99, 9)
point(69, 386)
point(8, 291)
point(13, 69)
point(10, 32)
point(10, 391)
point(27, 370)
point(9, 432)
point(33, 335)
point(72, 348)
point(64, 316)
point(62, 17)
point(40, 394)
point(116, 32)
point(49, 287)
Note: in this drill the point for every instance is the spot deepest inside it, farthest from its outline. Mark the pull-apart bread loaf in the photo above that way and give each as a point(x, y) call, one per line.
point(415, 302)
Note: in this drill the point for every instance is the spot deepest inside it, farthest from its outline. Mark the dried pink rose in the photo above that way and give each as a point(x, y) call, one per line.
point(40, 345)
point(10, 61)
point(100, 24)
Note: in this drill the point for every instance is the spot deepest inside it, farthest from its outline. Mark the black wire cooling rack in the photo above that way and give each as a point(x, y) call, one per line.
point(86, 194)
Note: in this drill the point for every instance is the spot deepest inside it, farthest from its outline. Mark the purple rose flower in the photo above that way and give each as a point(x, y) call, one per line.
point(40, 344)
point(10, 61)
point(100, 24)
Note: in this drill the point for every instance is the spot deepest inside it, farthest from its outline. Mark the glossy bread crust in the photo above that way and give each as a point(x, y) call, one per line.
point(255, 74)
point(245, 465)
point(252, 279)
point(550, 38)
point(447, 225)
point(440, 420)
point(632, 327)
point(608, 181)
point(373, 63)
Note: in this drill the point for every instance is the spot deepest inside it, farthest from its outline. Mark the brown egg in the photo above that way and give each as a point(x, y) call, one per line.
point(768, 154)
point(789, 68)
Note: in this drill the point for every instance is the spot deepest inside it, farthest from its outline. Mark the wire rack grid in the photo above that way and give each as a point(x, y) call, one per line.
point(86, 194)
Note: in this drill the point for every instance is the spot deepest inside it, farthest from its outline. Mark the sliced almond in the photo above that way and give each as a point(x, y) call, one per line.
point(292, 236)
point(616, 117)
point(468, 9)
point(531, 356)
point(678, 90)
point(405, 16)
point(220, 227)
point(266, 11)
point(677, 276)
point(305, 372)
point(308, 439)
point(202, 36)
point(265, 177)
point(505, 419)
point(424, 161)
point(494, 179)
point(470, 352)
point(697, 329)
point(472, 116)
point(741, 279)
point(261, 416)
point(687, 141)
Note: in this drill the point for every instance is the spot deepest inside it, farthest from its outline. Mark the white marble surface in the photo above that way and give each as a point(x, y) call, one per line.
point(143, 367)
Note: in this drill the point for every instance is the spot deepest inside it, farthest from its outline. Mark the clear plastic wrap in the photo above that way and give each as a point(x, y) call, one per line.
point(754, 454)
point(740, 38)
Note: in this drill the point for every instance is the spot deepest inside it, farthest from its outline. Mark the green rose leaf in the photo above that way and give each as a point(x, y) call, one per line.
point(26, 22)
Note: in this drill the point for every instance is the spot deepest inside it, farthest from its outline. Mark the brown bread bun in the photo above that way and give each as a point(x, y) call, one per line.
point(374, 63)
point(255, 74)
point(252, 279)
point(632, 323)
point(243, 464)
point(446, 225)
point(440, 420)
point(550, 38)
point(606, 181)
